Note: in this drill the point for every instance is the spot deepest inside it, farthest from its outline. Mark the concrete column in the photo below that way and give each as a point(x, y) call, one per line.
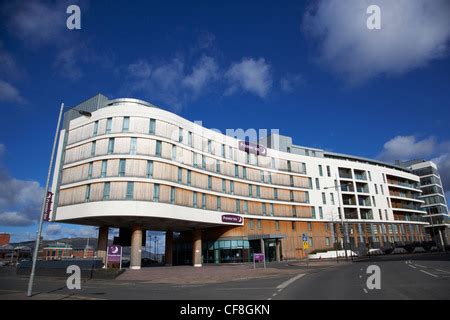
point(278, 249)
point(102, 242)
point(197, 248)
point(168, 253)
point(136, 247)
point(263, 249)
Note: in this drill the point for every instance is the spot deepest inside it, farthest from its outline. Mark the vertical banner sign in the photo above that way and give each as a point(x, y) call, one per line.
point(114, 254)
point(48, 206)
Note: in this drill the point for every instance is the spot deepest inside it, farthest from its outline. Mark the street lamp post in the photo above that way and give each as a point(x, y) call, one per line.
point(337, 187)
point(41, 218)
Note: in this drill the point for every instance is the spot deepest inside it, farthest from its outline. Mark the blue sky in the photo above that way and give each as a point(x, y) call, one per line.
point(311, 69)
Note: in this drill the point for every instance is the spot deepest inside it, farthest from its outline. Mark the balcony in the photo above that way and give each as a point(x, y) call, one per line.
point(350, 213)
point(366, 214)
point(362, 188)
point(360, 175)
point(348, 200)
point(346, 187)
point(364, 201)
point(345, 173)
point(402, 182)
point(402, 194)
point(407, 206)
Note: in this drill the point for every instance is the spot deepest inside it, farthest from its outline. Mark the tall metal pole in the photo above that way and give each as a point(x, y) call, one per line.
point(338, 187)
point(41, 219)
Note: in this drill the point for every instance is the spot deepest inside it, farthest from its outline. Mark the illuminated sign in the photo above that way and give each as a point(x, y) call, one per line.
point(231, 218)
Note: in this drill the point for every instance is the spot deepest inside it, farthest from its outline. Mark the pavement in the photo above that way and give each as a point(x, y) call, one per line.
point(419, 276)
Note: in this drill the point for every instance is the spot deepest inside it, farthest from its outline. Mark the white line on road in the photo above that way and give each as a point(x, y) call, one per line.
point(288, 282)
point(412, 266)
point(419, 265)
point(433, 275)
point(365, 290)
point(441, 270)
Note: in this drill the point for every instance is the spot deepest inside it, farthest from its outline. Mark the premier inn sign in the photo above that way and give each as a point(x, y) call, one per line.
point(252, 148)
point(231, 218)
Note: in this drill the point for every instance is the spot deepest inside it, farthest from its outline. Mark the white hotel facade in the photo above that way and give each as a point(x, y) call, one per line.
point(134, 166)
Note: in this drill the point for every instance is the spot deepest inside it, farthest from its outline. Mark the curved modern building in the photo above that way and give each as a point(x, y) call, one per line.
point(137, 167)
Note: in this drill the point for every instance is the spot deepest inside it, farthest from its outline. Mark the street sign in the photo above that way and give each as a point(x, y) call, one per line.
point(305, 245)
point(259, 257)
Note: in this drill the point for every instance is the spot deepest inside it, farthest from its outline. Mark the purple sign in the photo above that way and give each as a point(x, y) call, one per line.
point(252, 148)
point(48, 206)
point(231, 218)
point(114, 253)
point(258, 257)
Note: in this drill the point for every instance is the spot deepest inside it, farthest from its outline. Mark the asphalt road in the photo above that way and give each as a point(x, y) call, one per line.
point(402, 277)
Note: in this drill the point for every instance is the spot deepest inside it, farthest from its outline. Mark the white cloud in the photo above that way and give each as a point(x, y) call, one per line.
point(20, 200)
point(203, 72)
point(412, 34)
point(250, 75)
point(169, 82)
point(290, 82)
point(407, 148)
point(410, 148)
point(9, 93)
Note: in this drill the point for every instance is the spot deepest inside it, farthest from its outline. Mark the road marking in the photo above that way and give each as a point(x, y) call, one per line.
point(274, 295)
point(410, 265)
point(269, 298)
point(433, 275)
point(288, 282)
point(365, 290)
point(418, 265)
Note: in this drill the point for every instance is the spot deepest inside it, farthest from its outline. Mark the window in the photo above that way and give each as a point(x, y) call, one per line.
point(245, 206)
point(293, 225)
point(230, 150)
point(152, 127)
point(133, 146)
point(328, 171)
point(190, 139)
point(218, 204)
point(238, 206)
point(250, 190)
point(111, 146)
point(247, 158)
point(209, 146)
point(271, 209)
point(108, 125)
point(313, 211)
point(244, 173)
point(194, 199)
point(236, 171)
point(324, 198)
point(93, 148)
point(320, 170)
point(87, 196)
point(370, 176)
point(320, 213)
point(311, 243)
point(386, 214)
point(291, 195)
point(209, 182)
point(317, 184)
point(373, 200)
point(217, 166)
point(224, 186)
point(172, 195)
point(376, 189)
point(194, 160)
point(156, 193)
point(104, 168)
point(95, 128)
point(203, 201)
point(90, 170)
point(250, 224)
point(309, 226)
point(384, 178)
point(106, 190)
point(277, 225)
point(273, 163)
point(327, 241)
point(121, 167)
point(189, 177)
point(381, 188)
point(130, 190)
point(126, 124)
point(158, 148)
point(332, 198)
point(275, 193)
point(149, 169)
point(289, 166)
point(203, 162)
point(294, 211)
point(269, 177)
point(264, 209)
point(232, 187)
point(259, 223)
point(174, 152)
point(180, 134)
point(180, 175)
point(288, 149)
point(303, 168)
point(388, 203)
point(258, 192)
point(291, 180)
